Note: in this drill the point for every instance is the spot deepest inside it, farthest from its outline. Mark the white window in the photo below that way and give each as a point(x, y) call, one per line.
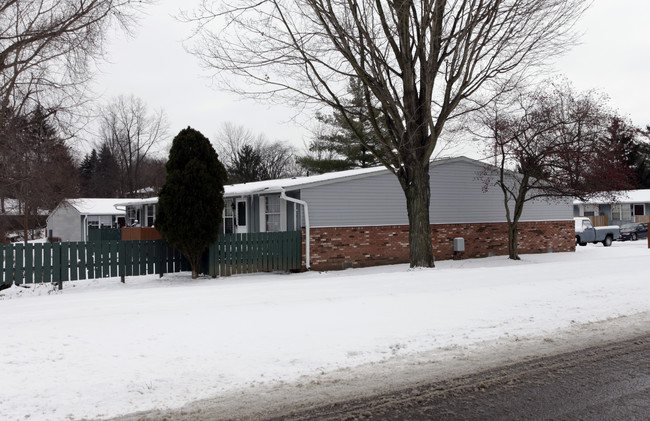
point(272, 213)
point(150, 211)
point(590, 210)
point(93, 221)
point(297, 222)
point(132, 216)
point(228, 222)
point(621, 212)
point(106, 221)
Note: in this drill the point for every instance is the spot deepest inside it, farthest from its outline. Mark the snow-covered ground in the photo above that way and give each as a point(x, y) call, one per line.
point(101, 348)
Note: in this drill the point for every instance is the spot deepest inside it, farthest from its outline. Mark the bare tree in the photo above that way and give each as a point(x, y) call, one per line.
point(47, 47)
point(230, 138)
point(133, 134)
point(153, 176)
point(421, 63)
point(551, 144)
point(249, 157)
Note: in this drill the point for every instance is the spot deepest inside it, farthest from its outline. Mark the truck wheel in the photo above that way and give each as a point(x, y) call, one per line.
point(634, 236)
point(580, 243)
point(607, 241)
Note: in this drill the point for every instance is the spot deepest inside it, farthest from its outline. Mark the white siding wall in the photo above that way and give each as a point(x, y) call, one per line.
point(65, 223)
point(456, 197)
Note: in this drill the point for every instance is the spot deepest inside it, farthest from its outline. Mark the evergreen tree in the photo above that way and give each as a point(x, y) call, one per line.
point(100, 174)
point(347, 141)
point(107, 174)
point(247, 166)
point(191, 200)
point(249, 157)
point(36, 166)
point(87, 174)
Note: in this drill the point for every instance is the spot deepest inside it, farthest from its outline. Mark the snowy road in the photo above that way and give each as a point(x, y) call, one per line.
point(101, 348)
point(446, 381)
point(602, 383)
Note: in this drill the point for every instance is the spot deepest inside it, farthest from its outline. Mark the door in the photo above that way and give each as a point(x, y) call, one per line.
point(242, 217)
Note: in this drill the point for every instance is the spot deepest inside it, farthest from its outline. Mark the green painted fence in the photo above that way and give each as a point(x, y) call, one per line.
point(104, 234)
point(234, 254)
point(71, 261)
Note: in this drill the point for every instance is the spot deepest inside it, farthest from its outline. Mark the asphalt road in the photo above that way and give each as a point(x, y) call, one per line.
point(608, 382)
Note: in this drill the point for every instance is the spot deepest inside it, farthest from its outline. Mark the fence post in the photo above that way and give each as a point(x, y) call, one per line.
point(114, 258)
point(65, 262)
point(18, 264)
point(47, 263)
point(121, 251)
point(29, 263)
point(38, 263)
point(90, 260)
point(4, 266)
point(222, 255)
point(211, 260)
point(160, 257)
point(57, 269)
point(82, 252)
point(73, 254)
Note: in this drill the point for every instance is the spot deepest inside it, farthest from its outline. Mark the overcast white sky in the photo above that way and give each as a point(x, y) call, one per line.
point(153, 65)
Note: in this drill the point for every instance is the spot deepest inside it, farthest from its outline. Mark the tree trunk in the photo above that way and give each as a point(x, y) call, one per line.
point(415, 183)
point(513, 240)
point(26, 223)
point(195, 264)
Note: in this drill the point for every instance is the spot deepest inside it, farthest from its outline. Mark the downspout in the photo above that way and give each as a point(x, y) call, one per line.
point(307, 237)
point(85, 227)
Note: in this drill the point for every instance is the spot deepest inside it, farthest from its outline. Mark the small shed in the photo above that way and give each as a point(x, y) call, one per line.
point(73, 218)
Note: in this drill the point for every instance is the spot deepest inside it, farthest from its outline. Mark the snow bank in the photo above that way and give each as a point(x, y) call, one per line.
point(101, 348)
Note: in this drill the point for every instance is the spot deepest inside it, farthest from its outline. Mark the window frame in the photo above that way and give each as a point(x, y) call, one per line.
point(228, 214)
point(275, 211)
point(150, 214)
point(618, 209)
point(93, 221)
point(642, 206)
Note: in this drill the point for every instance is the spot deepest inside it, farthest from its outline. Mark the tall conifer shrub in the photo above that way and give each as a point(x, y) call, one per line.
point(190, 203)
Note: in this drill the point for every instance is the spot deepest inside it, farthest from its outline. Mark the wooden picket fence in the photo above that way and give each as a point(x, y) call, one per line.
point(599, 220)
point(71, 261)
point(256, 252)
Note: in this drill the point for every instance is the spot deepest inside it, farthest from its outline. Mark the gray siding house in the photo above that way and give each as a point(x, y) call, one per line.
point(72, 218)
point(359, 218)
point(373, 197)
point(629, 206)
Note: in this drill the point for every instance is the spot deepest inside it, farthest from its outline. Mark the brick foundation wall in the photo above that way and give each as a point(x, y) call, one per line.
point(341, 248)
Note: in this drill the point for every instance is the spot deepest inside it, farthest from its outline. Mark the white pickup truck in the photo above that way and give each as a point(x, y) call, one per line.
point(587, 233)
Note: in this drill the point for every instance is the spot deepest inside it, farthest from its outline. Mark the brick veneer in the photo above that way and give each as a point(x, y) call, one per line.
point(340, 248)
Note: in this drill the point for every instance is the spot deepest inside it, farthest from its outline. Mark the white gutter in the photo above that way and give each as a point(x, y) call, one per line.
point(307, 238)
